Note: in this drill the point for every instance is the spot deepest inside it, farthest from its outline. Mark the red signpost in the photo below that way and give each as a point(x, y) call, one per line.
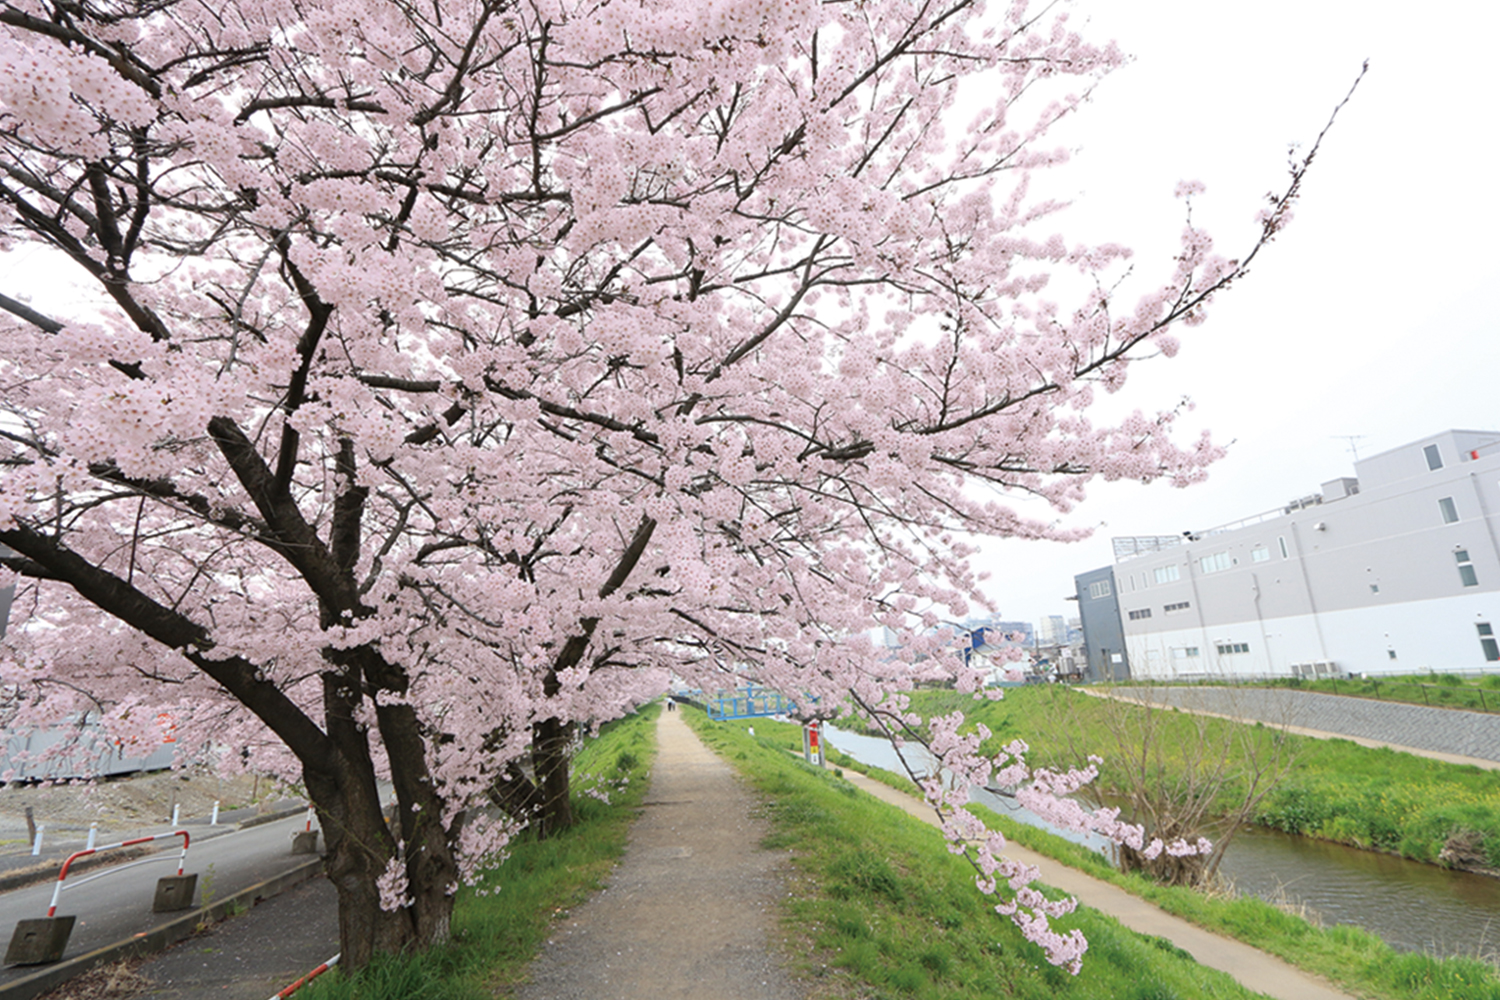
point(812, 746)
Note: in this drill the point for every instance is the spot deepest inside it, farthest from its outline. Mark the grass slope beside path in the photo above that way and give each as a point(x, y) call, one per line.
point(496, 934)
point(1352, 958)
point(882, 910)
point(1366, 797)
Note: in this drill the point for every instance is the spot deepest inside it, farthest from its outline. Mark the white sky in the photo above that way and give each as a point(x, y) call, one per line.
point(1373, 314)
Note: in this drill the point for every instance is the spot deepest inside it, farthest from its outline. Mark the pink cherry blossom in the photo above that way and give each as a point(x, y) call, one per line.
point(450, 385)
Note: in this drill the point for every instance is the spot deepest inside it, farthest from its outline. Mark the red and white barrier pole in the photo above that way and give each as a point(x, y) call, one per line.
point(314, 974)
point(308, 828)
point(63, 873)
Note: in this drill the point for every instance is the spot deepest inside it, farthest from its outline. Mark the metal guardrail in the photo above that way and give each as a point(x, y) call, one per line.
point(66, 865)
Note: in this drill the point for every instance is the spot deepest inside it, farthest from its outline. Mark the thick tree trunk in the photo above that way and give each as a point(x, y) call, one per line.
point(361, 844)
point(358, 849)
point(431, 867)
point(551, 739)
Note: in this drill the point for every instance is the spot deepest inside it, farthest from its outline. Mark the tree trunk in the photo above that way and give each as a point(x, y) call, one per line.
point(360, 844)
point(431, 867)
point(358, 848)
point(549, 752)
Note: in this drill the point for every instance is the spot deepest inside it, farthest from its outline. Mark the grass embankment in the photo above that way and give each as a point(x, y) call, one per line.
point(496, 935)
point(1365, 797)
point(1355, 959)
point(880, 909)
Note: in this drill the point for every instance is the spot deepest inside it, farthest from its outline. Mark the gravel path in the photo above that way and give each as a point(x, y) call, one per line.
point(691, 910)
point(1440, 730)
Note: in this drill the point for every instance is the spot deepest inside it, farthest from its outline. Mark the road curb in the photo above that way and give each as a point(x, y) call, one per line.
point(271, 817)
point(158, 938)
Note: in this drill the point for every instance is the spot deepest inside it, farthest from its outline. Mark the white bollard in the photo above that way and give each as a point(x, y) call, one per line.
point(214, 819)
point(93, 835)
point(176, 809)
point(36, 847)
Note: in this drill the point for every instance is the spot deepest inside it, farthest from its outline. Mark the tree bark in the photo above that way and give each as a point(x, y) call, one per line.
point(549, 753)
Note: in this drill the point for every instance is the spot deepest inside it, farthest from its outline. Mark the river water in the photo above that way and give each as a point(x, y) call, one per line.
point(1412, 906)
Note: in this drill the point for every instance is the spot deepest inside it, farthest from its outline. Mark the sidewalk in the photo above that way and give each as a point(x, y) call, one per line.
point(691, 909)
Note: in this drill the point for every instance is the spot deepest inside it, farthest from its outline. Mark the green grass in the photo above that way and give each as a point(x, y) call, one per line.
point(1373, 798)
point(1355, 959)
point(882, 911)
point(496, 935)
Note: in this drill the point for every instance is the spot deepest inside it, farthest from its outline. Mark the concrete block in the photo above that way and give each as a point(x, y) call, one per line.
point(39, 941)
point(175, 892)
point(305, 842)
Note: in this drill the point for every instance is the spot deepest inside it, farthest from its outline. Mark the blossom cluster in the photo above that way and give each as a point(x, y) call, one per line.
point(488, 371)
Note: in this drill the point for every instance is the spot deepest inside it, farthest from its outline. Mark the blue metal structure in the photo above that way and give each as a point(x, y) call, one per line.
point(748, 702)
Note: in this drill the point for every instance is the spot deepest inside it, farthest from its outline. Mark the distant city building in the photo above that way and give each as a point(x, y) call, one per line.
point(1396, 569)
point(1012, 634)
point(1052, 630)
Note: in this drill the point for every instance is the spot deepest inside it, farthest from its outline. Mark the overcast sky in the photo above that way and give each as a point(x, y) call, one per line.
point(1374, 314)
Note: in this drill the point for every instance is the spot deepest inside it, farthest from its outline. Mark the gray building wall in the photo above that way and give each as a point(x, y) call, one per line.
point(1393, 570)
point(1104, 648)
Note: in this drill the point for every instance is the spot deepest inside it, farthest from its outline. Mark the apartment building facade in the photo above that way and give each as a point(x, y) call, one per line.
point(1393, 570)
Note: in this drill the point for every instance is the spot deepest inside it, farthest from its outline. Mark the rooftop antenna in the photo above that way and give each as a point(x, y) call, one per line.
point(1351, 438)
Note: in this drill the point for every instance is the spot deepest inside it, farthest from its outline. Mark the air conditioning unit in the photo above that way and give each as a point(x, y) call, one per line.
point(1316, 669)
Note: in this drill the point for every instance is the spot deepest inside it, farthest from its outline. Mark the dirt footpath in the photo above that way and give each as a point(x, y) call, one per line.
point(691, 910)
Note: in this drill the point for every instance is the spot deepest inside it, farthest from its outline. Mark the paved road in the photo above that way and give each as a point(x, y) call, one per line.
point(1437, 730)
point(116, 906)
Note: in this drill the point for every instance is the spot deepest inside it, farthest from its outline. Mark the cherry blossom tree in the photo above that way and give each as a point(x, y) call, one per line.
point(456, 372)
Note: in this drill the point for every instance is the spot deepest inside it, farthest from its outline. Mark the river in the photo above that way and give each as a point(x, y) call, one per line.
point(1411, 906)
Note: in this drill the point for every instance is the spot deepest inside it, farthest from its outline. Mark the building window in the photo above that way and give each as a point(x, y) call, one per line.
point(1179, 606)
point(1260, 554)
point(1434, 460)
point(1215, 563)
point(1166, 574)
point(1391, 653)
point(1374, 588)
point(1137, 615)
point(1099, 588)
point(1449, 512)
point(1226, 648)
point(1185, 653)
point(1281, 540)
point(1466, 568)
point(1487, 642)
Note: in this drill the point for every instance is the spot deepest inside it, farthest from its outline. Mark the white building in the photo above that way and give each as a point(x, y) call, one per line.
point(1394, 570)
point(1052, 630)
